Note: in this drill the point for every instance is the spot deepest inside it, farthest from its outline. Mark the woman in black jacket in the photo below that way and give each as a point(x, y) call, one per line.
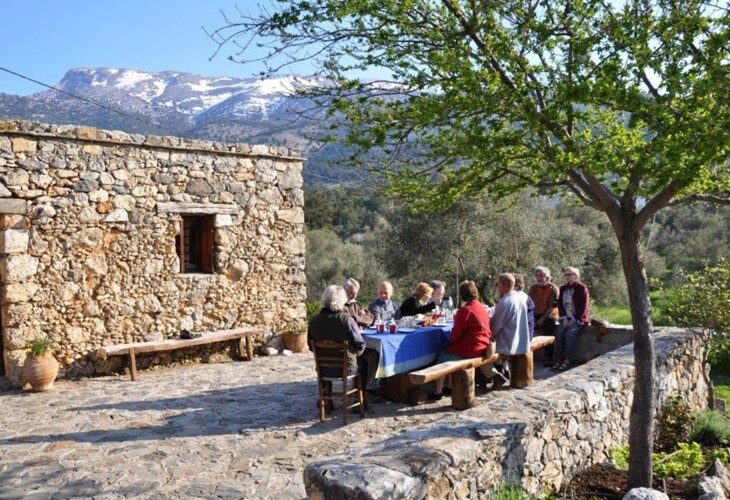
point(418, 302)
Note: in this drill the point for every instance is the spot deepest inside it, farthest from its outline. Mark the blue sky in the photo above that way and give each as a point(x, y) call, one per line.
point(44, 38)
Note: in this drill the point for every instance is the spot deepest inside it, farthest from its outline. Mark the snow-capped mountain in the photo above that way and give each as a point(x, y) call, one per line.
point(185, 93)
point(253, 110)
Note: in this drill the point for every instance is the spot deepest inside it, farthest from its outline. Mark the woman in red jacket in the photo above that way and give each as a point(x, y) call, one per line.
point(470, 335)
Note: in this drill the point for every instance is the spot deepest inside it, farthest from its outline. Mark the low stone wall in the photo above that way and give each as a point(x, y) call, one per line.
point(90, 223)
point(591, 343)
point(539, 436)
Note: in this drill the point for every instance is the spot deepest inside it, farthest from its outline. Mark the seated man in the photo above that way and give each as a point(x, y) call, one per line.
point(438, 294)
point(509, 324)
point(333, 323)
point(545, 295)
point(362, 316)
point(384, 308)
point(520, 288)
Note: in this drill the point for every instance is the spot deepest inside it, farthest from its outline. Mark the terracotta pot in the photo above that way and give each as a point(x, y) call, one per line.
point(295, 342)
point(40, 371)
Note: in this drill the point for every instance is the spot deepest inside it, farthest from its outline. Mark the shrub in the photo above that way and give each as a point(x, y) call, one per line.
point(40, 345)
point(703, 301)
point(312, 309)
point(674, 424)
point(687, 461)
point(711, 428)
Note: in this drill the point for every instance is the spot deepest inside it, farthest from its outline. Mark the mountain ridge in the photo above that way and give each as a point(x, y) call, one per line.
point(225, 108)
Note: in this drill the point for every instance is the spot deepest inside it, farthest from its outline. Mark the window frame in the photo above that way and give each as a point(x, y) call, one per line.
point(205, 227)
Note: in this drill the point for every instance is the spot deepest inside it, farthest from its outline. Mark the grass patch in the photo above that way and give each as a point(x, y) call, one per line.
point(659, 303)
point(620, 314)
point(508, 491)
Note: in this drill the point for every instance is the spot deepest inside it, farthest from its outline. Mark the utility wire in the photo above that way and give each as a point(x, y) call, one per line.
point(103, 106)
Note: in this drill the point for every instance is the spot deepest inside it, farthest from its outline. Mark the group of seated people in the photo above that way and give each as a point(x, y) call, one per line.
point(515, 319)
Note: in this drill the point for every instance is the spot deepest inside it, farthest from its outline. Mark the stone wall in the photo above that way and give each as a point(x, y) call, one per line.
point(539, 436)
point(88, 223)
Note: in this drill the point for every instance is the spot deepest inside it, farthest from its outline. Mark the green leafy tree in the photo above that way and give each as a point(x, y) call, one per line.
point(331, 260)
point(686, 239)
point(704, 300)
point(622, 104)
point(478, 241)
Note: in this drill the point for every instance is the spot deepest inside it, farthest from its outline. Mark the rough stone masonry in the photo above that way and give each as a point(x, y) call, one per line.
point(88, 226)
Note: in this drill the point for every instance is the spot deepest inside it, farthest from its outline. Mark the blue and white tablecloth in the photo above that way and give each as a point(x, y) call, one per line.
point(404, 352)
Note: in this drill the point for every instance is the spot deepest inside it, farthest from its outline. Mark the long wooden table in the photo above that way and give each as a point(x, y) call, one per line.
point(403, 352)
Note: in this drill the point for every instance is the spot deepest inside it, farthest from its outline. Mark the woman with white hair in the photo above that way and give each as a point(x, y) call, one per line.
point(333, 323)
point(573, 307)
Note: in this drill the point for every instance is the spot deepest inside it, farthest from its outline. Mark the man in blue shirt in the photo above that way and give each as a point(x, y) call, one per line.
point(510, 323)
point(383, 308)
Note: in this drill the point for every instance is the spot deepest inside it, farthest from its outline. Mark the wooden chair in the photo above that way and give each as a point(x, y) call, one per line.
point(333, 355)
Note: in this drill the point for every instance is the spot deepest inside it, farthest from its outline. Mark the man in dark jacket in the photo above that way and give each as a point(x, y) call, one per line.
point(362, 316)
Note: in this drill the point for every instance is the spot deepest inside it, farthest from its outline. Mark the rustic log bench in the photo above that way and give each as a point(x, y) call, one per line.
point(244, 337)
point(462, 380)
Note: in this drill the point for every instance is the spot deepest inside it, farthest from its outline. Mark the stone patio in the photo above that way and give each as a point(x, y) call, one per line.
point(227, 430)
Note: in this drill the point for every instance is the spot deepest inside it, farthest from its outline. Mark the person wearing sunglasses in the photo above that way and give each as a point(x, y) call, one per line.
point(573, 309)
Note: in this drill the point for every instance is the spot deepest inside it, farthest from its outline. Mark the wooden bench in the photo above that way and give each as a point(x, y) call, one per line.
point(462, 382)
point(244, 337)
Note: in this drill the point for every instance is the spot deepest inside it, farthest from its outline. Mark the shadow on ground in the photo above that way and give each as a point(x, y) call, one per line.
point(228, 411)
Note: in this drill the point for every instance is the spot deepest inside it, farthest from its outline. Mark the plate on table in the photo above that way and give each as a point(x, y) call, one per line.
point(405, 329)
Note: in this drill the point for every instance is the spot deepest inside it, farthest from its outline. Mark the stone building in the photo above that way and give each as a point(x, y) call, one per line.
point(107, 238)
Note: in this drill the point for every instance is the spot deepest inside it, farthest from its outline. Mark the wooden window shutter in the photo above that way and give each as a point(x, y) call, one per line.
point(206, 245)
point(180, 245)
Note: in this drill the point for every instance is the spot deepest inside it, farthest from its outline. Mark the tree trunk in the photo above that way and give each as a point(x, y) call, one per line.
point(641, 425)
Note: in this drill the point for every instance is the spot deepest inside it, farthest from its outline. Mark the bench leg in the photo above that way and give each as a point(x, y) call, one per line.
point(396, 388)
point(249, 347)
point(241, 349)
point(462, 389)
point(132, 365)
point(521, 367)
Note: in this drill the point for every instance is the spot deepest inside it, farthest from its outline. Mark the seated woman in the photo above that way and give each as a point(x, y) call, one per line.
point(573, 306)
point(333, 323)
point(418, 302)
point(471, 336)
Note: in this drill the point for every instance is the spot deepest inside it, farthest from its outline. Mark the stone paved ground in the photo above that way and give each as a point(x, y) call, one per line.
point(229, 430)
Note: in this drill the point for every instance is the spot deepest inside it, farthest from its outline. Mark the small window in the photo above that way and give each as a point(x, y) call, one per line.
point(195, 244)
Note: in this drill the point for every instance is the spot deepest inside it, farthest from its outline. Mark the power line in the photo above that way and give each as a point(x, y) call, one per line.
point(89, 101)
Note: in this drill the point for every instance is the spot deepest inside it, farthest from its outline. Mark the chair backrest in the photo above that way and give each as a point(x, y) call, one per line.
point(330, 356)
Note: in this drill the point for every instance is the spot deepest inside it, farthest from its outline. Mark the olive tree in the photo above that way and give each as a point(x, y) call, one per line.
point(622, 104)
